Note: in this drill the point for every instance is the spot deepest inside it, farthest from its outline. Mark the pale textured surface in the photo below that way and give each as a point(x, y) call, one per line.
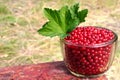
point(21, 44)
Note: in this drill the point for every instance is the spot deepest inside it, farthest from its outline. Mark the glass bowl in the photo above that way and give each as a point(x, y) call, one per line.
point(90, 60)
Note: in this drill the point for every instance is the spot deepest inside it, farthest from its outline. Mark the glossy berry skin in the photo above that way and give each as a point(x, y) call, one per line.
point(88, 50)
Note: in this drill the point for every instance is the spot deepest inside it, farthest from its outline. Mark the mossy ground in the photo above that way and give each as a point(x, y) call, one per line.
point(19, 21)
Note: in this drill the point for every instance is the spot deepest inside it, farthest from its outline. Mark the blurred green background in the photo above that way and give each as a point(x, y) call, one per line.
point(20, 19)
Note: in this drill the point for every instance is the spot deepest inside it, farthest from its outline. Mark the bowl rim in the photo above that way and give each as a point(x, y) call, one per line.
point(94, 45)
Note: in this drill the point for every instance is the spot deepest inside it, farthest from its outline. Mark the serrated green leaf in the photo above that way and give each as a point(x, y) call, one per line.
point(82, 14)
point(56, 26)
point(62, 21)
point(52, 15)
point(74, 10)
point(50, 29)
point(65, 16)
point(73, 23)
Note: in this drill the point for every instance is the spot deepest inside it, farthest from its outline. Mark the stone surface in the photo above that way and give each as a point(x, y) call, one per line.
point(42, 71)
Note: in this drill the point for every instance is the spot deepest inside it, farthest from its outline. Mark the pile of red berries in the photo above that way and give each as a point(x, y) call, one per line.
point(88, 51)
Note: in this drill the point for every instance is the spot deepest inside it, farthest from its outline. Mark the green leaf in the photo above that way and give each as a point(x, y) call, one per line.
point(82, 14)
point(74, 10)
point(62, 21)
point(73, 23)
point(52, 15)
point(50, 29)
point(65, 16)
point(56, 26)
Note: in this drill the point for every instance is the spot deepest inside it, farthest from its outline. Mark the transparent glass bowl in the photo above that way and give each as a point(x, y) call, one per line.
point(89, 61)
